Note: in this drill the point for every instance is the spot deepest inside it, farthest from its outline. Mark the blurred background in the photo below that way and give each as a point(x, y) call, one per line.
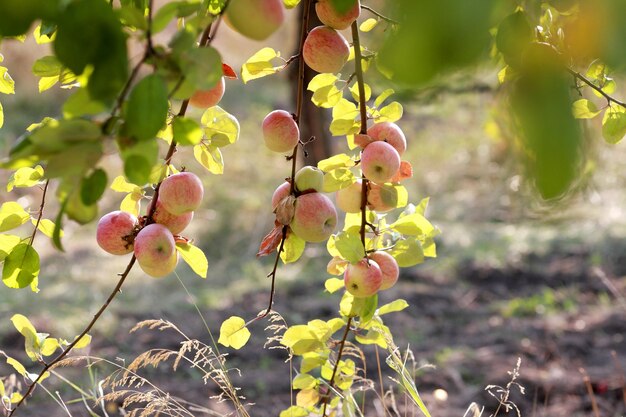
point(515, 277)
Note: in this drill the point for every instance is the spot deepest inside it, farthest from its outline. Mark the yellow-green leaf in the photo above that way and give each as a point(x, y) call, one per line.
point(210, 157)
point(397, 305)
point(260, 65)
point(413, 225)
point(25, 177)
point(349, 246)
point(585, 109)
point(21, 267)
point(294, 410)
point(614, 124)
point(368, 25)
point(307, 398)
point(221, 127)
point(7, 243)
point(337, 161)
point(49, 346)
point(121, 185)
point(301, 339)
point(333, 285)
point(234, 333)
point(194, 257)
point(293, 249)
point(131, 203)
point(304, 381)
point(390, 113)
point(325, 92)
point(408, 252)
point(12, 215)
point(83, 342)
point(7, 85)
point(26, 329)
point(46, 227)
point(354, 90)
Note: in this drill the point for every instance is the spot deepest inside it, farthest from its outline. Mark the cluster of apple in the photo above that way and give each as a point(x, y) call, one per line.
point(310, 214)
point(152, 240)
point(380, 162)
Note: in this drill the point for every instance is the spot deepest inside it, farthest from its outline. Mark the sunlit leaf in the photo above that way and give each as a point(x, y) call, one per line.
point(392, 307)
point(21, 267)
point(7, 243)
point(194, 257)
point(260, 65)
point(614, 124)
point(408, 252)
point(186, 131)
point(210, 157)
point(25, 177)
point(146, 109)
point(7, 85)
point(368, 25)
point(234, 333)
point(220, 127)
point(293, 248)
point(337, 161)
point(349, 246)
point(585, 109)
point(46, 227)
point(12, 215)
point(334, 284)
point(301, 339)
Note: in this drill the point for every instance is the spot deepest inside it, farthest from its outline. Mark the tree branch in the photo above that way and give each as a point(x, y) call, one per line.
point(339, 354)
point(585, 80)
point(374, 12)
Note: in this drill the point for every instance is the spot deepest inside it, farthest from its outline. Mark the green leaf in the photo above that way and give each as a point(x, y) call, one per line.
point(56, 234)
point(46, 227)
point(325, 92)
point(368, 25)
point(351, 306)
point(83, 342)
point(301, 339)
point(194, 257)
point(413, 224)
point(304, 381)
point(290, 4)
point(260, 65)
point(349, 246)
point(26, 329)
point(131, 203)
point(408, 252)
point(89, 33)
point(16, 18)
point(186, 131)
point(338, 179)
point(47, 66)
point(333, 285)
point(394, 306)
point(25, 177)
point(221, 127)
point(383, 96)
point(76, 209)
point(390, 113)
point(121, 185)
point(585, 109)
point(80, 104)
point(201, 67)
point(294, 410)
point(93, 186)
point(234, 333)
point(21, 267)
point(293, 249)
point(12, 215)
point(369, 308)
point(147, 106)
point(7, 243)
point(210, 157)
point(514, 35)
point(7, 85)
point(614, 124)
point(337, 161)
point(354, 90)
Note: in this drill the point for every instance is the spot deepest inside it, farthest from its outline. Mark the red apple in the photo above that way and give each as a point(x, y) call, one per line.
point(280, 132)
point(181, 193)
point(204, 99)
point(328, 14)
point(390, 133)
point(255, 19)
point(325, 50)
point(379, 162)
point(315, 217)
point(363, 279)
point(282, 191)
point(113, 231)
point(155, 250)
point(388, 266)
point(175, 222)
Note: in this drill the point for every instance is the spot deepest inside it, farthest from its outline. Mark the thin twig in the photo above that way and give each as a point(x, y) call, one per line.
point(40, 215)
point(585, 80)
point(339, 353)
point(587, 381)
point(374, 12)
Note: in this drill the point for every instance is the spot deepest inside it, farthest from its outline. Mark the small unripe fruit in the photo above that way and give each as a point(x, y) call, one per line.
point(380, 162)
point(389, 268)
point(255, 19)
point(155, 250)
point(349, 198)
point(176, 223)
point(328, 14)
point(390, 133)
point(309, 178)
point(181, 193)
point(203, 99)
point(363, 279)
point(325, 50)
point(282, 191)
point(315, 217)
point(280, 132)
point(112, 230)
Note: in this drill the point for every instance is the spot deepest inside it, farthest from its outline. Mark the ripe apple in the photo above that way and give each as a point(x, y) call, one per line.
point(309, 178)
point(388, 266)
point(175, 222)
point(280, 132)
point(328, 14)
point(315, 217)
point(255, 19)
point(282, 191)
point(155, 250)
point(349, 198)
point(112, 230)
point(390, 133)
point(382, 198)
point(203, 99)
point(181, 193)
point(325, 50)
point(379, 162)
point(363, 279)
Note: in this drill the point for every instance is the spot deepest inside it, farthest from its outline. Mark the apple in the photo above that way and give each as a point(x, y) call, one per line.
point(349, 198)
point(328, 14)
point(390, 133)
point(363, 279)
point(114, 230)
point(379, 162)
point(181, 193)
point(282, 191)
point(204, 99)
point(388, 266)
point(325, 50)
point(309, 178)
point(175, 222)
point(382, 198)
point(280, 132)
point(315, 217)
point(255, 19)
point(155, 250)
